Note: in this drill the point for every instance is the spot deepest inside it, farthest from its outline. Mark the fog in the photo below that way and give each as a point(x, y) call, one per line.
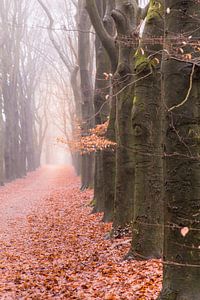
point(40, 85)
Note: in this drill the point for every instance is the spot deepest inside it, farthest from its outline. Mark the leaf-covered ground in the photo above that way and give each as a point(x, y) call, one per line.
point(53, 248)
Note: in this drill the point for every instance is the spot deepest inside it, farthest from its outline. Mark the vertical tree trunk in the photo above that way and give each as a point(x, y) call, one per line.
point(126, 19)
point(86, 91)
point(30, 149)
point(2, 137)
point(108, 157)
point(23, 136)
point(75, 84)
point(109, 166)
point(102, 110)
point(147, 226)
point(182, 99)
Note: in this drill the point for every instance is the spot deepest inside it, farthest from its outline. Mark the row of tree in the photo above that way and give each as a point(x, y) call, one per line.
point(19, 69)
point(144, 84)
point(147, 85)
point(29, 78)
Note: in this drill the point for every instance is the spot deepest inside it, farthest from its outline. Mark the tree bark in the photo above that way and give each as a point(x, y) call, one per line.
point(102, 110)
point(182, 190)
point(86, 91)
point(126, 20)
point(108, 157)
point(147, 241)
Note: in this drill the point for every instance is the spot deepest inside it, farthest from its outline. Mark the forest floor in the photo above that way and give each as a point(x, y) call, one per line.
point(53, 248)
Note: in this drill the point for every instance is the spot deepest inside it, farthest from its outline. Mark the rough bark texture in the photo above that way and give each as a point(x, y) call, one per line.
point(147, 239)
point(108, 157)
point(101, 107)
point(109, 166)
point(126, 17)
point(182, 94)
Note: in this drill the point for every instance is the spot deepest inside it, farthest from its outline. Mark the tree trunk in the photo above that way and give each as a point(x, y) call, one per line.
point(126, 19)
point(109, 166)
point(102, 110)
point(2, 138)
point(86, 92)
point(147, 226)
point(23, 136)
point(30, 149)
point(108, 157)
point(182, 99)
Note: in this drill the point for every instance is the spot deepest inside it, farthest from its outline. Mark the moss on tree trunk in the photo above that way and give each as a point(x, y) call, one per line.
point(147, 125)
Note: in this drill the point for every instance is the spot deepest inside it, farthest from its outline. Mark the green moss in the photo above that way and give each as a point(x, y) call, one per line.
point(134, 100)
point(155, 10)
point(142, 62)
point(194, 133)
point(92, 203)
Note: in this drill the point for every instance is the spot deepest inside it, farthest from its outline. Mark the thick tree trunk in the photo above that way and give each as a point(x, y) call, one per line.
point(108, 157)
point(182, 98)
point(102, 110)
point(126, 19)
point(147, 226)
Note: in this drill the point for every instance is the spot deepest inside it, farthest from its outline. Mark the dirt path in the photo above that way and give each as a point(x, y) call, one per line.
point(53, 248)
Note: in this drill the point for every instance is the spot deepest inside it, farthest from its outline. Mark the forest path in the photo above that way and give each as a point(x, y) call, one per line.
point(20, 197)
point(52, 247)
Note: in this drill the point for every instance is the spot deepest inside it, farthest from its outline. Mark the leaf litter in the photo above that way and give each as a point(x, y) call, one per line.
point(56, 248)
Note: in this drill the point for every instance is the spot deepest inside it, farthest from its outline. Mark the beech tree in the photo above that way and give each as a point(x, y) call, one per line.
point(127, 16)
point(145, 88)
point(104, 159)
point(84, 60)
point(182, 193)
point(147, 117)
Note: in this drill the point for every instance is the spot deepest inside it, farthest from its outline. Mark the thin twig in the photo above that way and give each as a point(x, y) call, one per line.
point(188, 92)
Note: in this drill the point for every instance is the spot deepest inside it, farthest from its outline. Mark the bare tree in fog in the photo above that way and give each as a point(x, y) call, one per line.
point(21, 67)
point(66, 48)
point(11, 13)
point(74, 61)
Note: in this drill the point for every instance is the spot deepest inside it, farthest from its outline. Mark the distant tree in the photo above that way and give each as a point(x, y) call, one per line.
point(68, 53)
point(87, 111)
point(21, 68)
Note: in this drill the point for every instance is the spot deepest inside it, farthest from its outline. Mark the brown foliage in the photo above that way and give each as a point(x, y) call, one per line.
point(59, 252)
point(90, 142)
